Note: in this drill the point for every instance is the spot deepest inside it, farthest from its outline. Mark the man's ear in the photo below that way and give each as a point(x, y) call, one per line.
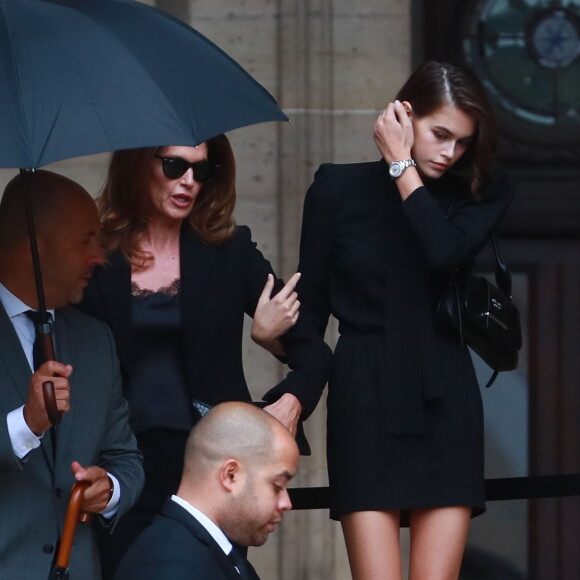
point(230, 474)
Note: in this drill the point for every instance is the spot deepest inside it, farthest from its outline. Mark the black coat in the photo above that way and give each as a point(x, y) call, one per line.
point(219, 285)
point(176, 547)
point(403, 405)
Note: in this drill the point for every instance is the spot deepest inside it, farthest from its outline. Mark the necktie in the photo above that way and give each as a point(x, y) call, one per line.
point(240, 563)
point(39, 329)
point(38, 355)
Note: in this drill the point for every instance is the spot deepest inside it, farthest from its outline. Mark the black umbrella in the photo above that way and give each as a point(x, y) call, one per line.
point(86, 76)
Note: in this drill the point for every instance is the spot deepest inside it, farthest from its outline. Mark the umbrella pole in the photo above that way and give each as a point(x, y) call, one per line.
point(45, 329)
point(28, 183)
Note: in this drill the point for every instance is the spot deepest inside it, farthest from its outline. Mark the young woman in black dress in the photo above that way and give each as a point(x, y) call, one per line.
point(379, 239)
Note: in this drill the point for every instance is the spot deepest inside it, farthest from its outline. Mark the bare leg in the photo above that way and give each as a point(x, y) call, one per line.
point(372, 544)
point(438, 538)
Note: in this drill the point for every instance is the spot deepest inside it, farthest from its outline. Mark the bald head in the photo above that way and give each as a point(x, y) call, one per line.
point(50, 195)
point(237, 430)
point(238, 462)
point(67, 228)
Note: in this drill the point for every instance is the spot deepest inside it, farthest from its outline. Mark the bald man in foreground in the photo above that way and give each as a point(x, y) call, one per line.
point(93, 442)
point(238, 462)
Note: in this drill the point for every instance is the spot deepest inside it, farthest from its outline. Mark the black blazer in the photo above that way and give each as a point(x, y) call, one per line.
point(379, 264)
point(219, 284)
point(177, 547)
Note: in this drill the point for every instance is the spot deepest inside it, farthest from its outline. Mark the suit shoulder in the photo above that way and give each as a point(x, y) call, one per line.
point(335, 182)
point(168, 549)
point(240, 238)
point(74, 316)
point(242, 234)
point(241, 241)
point(345, 170)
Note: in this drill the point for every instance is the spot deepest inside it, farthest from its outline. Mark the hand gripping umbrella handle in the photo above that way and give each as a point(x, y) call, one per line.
point(54, 415)
point(73, 516)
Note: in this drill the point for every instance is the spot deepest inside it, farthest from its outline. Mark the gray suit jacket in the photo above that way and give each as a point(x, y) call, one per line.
point(34, 493)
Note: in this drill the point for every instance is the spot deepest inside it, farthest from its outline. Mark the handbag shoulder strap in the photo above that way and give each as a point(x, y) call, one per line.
point(503, 276)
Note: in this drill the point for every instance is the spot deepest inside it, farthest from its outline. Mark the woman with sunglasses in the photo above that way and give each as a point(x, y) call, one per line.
point(179, 278)
point(379, 241)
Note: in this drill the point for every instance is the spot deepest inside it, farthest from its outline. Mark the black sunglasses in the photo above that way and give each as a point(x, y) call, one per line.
point(175, 167)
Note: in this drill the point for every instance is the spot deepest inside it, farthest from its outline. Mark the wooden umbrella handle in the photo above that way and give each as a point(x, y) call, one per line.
point(54, 415)
point(73, 516)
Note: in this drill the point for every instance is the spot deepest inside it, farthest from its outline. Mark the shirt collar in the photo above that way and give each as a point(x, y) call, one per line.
point(12, 304)
point(210, 526)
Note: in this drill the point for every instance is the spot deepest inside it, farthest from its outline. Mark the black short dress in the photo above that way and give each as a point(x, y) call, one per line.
point(405, 421)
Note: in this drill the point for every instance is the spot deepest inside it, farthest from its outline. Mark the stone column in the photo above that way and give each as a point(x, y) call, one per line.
point(340, 62)
point(308, 541)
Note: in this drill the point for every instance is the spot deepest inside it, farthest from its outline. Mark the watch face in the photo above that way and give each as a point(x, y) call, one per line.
point(527, 53)
point(396, 169)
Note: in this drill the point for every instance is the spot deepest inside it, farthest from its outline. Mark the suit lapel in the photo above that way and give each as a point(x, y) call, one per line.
point(252, 574)
point(14, 359)
point(114, 283)
point(196, 262)
point(245, 569)
point(176, 512)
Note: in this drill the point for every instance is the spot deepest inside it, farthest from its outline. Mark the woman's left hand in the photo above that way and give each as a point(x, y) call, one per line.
point(275, 315)
point(393, 132)
point(287, 409)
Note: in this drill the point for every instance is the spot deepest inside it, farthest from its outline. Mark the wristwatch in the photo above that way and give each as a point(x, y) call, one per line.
point(398, 167)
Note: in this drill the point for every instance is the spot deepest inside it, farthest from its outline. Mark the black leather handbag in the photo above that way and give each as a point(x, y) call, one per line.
point(483, 316)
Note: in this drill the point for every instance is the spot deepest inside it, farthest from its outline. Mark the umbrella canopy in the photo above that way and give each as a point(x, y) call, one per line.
point(87, 76)
point(79, 77)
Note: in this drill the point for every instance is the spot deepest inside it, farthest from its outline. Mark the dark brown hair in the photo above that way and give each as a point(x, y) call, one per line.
point(124, 203)
point(435, 84)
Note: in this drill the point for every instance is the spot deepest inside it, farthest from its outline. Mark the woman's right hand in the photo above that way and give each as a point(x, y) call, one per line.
point(275, 315)
point(393, 132)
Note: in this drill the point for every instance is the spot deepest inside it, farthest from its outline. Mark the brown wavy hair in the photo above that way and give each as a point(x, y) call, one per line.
point(124, 203)
point(435, 84)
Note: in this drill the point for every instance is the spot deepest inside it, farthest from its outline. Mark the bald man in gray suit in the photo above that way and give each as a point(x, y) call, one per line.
point(93, 442)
